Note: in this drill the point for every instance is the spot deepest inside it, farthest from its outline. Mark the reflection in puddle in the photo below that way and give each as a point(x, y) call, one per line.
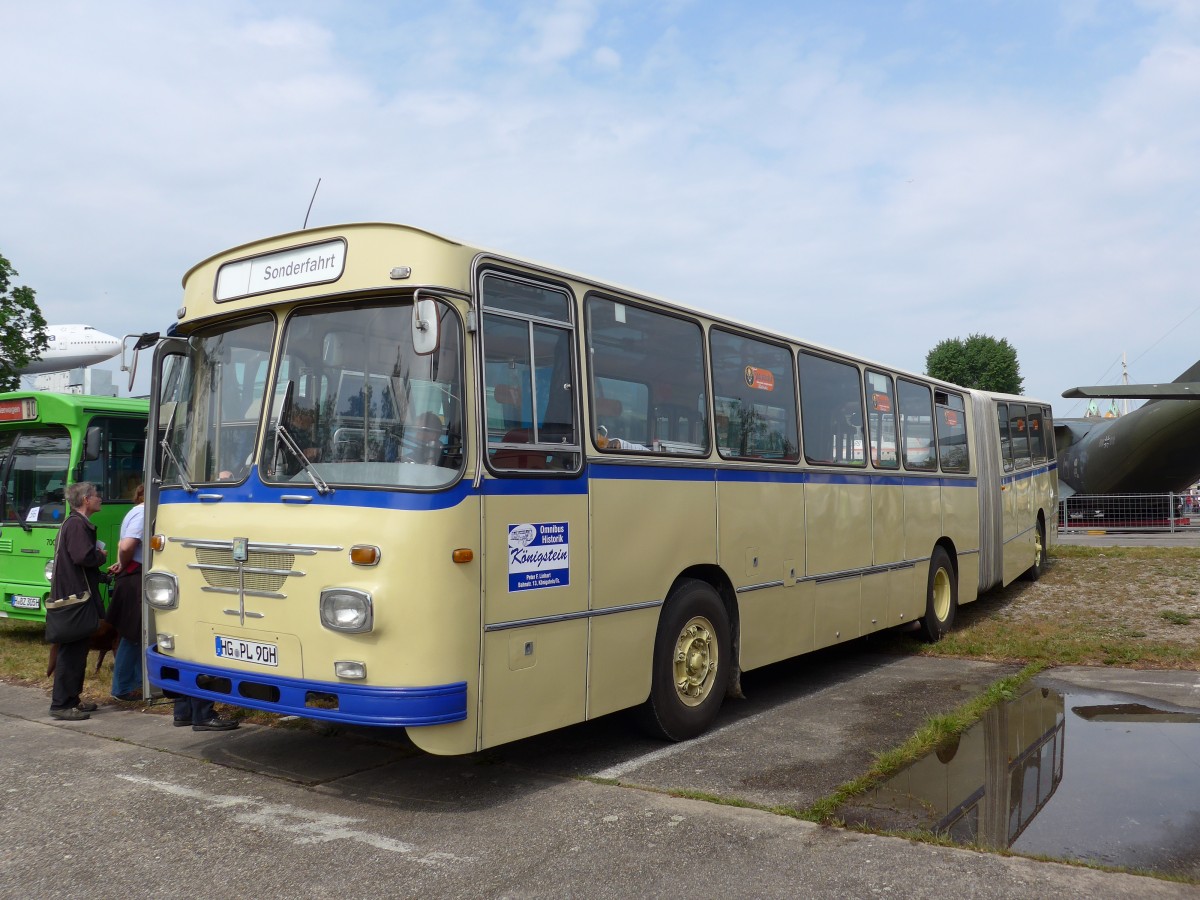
point(1079, 776)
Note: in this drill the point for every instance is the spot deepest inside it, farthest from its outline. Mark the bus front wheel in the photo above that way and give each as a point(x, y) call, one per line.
point(941, 601)
point(691, 663)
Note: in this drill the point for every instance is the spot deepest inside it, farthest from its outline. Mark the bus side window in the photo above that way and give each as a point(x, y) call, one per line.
point(831, 411)
point(918, 443)
point(1037, 441)
point(881, 421)
point(953, 448)
point(1006, 450)
point(663, 354)
point(529, 376)
point(118, 470)
point(1018, 433)
point(754, 384)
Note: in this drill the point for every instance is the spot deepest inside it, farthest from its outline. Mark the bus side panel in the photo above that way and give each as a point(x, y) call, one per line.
point(534, 674)
point(1018, 539)
point(621, 645)
point(828, 504)
point(533, 679)
point(762, 543)
point(960, 523)
point(922, 529)
point(885, 590)
point(1046, 493)
point(653, 529)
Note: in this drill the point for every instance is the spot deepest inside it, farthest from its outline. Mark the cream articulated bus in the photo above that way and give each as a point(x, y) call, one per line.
point(407, 482)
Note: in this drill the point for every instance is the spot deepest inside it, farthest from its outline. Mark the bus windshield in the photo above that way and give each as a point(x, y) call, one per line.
point(359, 406)
point(212, 415)
point(34, 467)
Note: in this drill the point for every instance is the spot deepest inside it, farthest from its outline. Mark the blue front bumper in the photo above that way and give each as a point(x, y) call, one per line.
point(336, 701)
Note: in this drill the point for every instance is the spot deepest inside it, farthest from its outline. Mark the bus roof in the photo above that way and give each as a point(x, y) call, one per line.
point(315, 236)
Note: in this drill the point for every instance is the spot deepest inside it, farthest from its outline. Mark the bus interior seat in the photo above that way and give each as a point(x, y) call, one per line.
point(523, 458)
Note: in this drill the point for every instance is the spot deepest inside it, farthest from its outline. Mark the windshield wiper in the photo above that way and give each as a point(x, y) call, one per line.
point(164, 443)
point(183, 482)
point(283, 436)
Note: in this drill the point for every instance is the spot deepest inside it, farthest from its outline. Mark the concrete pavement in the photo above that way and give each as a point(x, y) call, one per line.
point(125, 804)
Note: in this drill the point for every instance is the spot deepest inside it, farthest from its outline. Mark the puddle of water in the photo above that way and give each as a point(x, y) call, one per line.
point(1081, 776)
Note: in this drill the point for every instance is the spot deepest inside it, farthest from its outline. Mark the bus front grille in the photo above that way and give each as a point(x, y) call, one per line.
point(261, 571)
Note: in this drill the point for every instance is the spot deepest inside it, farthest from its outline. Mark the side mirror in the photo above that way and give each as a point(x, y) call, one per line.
point(143, 342)
point(425, 324)
point(91, 443)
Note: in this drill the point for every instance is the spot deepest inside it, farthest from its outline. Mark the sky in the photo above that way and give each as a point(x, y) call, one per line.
point(871, 176)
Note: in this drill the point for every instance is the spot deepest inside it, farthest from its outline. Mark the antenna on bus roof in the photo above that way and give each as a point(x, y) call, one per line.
point(310, 202)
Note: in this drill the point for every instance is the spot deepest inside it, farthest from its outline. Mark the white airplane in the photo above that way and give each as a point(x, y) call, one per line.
point(73, 346)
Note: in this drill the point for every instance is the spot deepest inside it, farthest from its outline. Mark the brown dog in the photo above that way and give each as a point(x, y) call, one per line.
point(104, 639)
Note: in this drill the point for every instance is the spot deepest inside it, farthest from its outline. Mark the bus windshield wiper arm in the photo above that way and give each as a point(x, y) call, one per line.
point(288, 441)
point(187, 485)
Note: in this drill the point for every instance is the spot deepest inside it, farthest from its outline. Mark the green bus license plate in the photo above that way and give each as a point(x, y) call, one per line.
point(20, 601)
point(247, 651)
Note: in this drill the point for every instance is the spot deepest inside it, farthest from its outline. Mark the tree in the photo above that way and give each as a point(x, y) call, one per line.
point(22, 328)
point(981, 362)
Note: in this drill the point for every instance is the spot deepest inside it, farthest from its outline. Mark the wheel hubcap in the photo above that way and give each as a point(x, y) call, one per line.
point(695, 661)
point(1037, 549)
point(941, 595)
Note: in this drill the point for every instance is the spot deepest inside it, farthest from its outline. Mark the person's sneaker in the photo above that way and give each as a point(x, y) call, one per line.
point(216, 723)
point(70, 714)
point(86, 706)
point(131, 697)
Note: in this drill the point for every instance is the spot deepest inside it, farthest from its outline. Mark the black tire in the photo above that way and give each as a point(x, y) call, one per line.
point(691, 664)
point(941, 597)
point(1039, 553)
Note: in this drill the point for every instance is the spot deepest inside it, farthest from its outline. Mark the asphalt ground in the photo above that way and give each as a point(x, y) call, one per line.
point(124, 804)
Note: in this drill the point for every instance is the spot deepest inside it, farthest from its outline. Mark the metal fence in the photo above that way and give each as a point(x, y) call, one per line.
point(1129, 512)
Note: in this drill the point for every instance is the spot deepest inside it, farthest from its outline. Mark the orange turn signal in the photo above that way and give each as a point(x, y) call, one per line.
point(462, 555)
point(364, 555)
point(158, 542)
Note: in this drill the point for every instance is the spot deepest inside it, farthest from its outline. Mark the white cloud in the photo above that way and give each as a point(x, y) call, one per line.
point(559, 30)
point(770, 170)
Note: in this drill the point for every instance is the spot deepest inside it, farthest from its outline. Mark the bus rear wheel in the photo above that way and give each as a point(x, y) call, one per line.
point(941, 601)
point(691, 664)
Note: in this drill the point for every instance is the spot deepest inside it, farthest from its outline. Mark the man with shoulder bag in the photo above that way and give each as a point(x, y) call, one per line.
point(74, 609)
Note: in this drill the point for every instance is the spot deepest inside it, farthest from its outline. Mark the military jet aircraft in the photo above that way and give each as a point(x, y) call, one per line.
point(1155, 449)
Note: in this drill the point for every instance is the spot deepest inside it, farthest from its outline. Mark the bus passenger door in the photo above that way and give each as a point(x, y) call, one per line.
point(535, 517)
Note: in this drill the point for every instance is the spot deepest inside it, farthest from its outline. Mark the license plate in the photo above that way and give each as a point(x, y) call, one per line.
point(22, 602)
point(239, 650)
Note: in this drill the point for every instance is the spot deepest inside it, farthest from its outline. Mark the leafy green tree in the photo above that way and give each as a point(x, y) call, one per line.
point(22, 328)
point(981, 362)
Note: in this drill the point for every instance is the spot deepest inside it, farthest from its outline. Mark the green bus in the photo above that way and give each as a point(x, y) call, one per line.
point(48, 441)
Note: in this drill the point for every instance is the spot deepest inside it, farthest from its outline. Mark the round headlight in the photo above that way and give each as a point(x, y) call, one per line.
point(161, 590)
point(345, 609)
point(48, 571)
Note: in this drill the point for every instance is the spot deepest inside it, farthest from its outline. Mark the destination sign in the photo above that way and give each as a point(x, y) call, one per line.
point(18, 410)
point(295, 267)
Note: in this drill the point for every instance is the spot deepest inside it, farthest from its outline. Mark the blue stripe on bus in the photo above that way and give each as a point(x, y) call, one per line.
point(633, 472)
point(253, 490)
point(357, 704)
point(1029, 473)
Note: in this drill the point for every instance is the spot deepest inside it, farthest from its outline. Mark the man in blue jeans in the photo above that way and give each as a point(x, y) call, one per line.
point(125, 604)
point(200, 715)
